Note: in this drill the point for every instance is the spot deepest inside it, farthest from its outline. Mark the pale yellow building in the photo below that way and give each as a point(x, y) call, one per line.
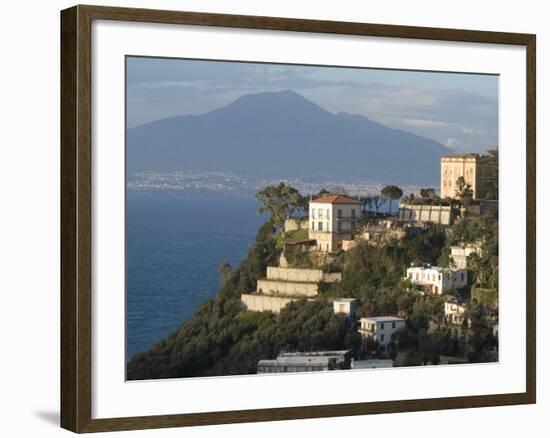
point(479, 171)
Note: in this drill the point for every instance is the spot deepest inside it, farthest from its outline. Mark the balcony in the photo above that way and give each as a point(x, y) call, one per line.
point(366, 332)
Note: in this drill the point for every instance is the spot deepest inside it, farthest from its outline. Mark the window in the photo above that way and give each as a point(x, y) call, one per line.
point(353, 212)
point(313, 225)
point(320, 226)
point(339, 213)
point(393, 325)
point(339, 226)
point(320, 214)
point(382, 326)
point(312, 213)
point(381, 338)
point(462, 277)
point(328, 214)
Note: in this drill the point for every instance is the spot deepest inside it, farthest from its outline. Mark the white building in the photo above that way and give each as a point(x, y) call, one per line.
point(332, 219)
point(437, 280)
point(380, 328)
point(454, 312)
point(299, 362)
point(460, 253)
point(347, 306)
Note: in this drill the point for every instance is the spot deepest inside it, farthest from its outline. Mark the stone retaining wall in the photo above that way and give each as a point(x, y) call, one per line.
point(262, 303)
point(296, 224)
point(302, 275)
point(287, 288)
point(439, 214)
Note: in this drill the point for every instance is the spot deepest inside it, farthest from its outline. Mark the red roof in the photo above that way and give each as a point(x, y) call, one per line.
point(336, 199)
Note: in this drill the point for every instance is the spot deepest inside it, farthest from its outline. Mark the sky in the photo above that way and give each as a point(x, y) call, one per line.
point(459, 110)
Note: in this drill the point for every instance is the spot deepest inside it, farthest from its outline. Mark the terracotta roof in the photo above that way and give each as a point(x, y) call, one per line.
point(336, 199)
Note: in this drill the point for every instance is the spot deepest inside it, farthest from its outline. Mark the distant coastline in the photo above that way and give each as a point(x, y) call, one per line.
point(236, 184)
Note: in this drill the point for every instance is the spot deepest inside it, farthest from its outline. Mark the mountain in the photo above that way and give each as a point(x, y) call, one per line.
point(284, 135)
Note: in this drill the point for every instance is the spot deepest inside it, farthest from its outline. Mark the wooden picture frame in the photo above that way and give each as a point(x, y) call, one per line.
point(76, 217)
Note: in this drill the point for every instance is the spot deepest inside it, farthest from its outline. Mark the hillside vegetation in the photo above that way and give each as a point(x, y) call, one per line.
point(223, 338)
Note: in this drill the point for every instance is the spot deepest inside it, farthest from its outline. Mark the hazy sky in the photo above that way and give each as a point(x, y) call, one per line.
point(457, 110)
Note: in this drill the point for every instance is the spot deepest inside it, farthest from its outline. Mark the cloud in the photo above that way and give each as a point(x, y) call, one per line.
point(439, 106)
point(424, 123)
point(451, 142)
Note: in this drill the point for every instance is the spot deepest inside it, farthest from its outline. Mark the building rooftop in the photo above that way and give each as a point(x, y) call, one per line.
point(465, 155)
point(336, 199)
point(434, 268)
point(345, 300)
point(382, 318)
point(314, 353)
point(297, 360)
point(322, 358)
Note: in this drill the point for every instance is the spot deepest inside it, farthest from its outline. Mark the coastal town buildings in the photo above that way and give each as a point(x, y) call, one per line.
point(384, 231)
point(381, 328)
point(454, 312)
point(347, 306)
point(333, 219)
point(459, 255)
point(477, 170)
point(303, 362)
point(437, 280)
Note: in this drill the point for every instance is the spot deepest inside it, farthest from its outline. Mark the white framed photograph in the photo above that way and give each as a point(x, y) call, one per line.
point(268, 218)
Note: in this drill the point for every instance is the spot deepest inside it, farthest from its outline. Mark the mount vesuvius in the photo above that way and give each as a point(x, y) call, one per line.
point(284, 135)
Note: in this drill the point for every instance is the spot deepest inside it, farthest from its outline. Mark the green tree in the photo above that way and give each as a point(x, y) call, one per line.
point(378, 201)
point(392, 193)
point(321, 192)
point(491, 175)
point(409, 199)
point(429, 193)
point(281, 201)
point(481, 340)
point(224, 271)
point(464, 191)
point(367, 202)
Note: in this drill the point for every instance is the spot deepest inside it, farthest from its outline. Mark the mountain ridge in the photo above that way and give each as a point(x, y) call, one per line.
point(284, 135)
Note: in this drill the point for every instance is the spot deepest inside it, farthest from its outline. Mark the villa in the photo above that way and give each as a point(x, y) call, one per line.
point(437, 280)
point(454, 312)
point(303, 362)
point(347, 306)
point(381, 328)
point(477, 171)
point(333, 220)
point(460, 253)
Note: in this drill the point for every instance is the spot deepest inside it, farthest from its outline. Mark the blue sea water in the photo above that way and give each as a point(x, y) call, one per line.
point(175, 244)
